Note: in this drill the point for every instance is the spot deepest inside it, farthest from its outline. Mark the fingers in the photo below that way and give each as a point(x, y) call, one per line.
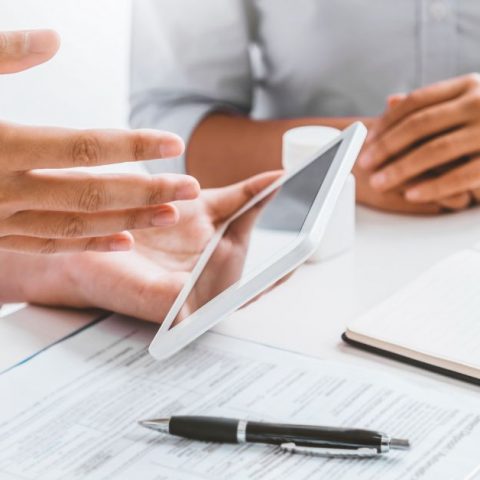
point(82, 192)
point(432, 154)
point(458, 202)
point(413, 129)
point(59, 225)
point(394, 99)
point(22, 244)
point(476, 195)
point(224, 202)
point(393, 201)
point(26, 148)
point(425, 97)
point(25, 49)
point(459, 180)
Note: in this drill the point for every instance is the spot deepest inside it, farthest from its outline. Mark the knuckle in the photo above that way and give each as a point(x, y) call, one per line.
point(399, 170)
point(4, 199)
point(93, 197)
point(73, 227)
point(382, 148)
point(138, 146)
point(11, 198)
point(453, 178)
point(85, 150)
point(434, 189)
point(474, 101)
point(130, 222)
point(48, 247)
point(12, 43)
point(456, 202)
point(156, 194)
point(90, 245)
point(414, 98)
point(4, 43)
point(7, 243)
point(472, 79)
point(444, 145)
point(423, 118)
point(419, 121)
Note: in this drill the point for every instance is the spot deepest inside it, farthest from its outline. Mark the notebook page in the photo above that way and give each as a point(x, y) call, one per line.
point(438, 314)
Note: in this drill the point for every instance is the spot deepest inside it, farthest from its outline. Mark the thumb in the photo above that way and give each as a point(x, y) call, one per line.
point(224, 202)
point(25, 49)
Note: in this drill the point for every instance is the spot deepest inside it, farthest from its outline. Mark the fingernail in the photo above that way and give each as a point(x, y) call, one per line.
point(164, 218)
point(378, 180)
point(187, 191)
point(121, 245)
point(40, 41)
point(171, 149)
point(414, 194)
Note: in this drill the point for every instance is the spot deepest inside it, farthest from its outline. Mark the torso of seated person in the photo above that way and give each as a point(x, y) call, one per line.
point(315, 62)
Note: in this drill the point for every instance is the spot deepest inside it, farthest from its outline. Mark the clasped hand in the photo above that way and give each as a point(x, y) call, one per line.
point(423, 153)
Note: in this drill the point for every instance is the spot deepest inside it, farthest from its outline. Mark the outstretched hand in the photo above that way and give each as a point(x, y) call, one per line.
point(143, 282)
point(44, 209)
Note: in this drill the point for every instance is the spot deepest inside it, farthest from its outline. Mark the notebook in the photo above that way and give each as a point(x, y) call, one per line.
point(434, 322)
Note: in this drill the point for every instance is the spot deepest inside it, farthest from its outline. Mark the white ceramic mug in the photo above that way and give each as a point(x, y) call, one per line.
point(299, 145)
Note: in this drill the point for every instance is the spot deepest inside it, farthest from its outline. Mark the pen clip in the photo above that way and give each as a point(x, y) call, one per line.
point(330, 452)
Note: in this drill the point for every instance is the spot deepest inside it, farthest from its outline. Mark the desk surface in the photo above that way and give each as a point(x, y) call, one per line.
point(308, 314)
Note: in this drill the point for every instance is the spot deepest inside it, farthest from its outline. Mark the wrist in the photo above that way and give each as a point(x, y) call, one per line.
point(12, 289)
point(26, 278)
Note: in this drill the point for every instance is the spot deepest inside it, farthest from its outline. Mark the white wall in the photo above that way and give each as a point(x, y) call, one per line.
point(86, 85)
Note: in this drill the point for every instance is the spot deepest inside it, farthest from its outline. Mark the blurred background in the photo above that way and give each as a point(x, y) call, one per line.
point(86, 84)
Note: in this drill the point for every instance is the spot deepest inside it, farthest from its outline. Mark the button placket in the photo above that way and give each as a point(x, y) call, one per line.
point(437, 40)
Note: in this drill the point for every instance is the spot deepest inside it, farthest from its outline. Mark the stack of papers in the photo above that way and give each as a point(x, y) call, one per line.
point(72, 412)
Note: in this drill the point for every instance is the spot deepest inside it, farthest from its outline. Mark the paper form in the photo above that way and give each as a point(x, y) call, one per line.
point(71, 412)
point(21, 338)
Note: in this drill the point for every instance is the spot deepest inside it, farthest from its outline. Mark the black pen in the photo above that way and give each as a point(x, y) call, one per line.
point(307, 439)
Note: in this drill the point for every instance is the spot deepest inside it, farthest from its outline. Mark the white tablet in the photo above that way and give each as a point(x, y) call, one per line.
point(264, 241)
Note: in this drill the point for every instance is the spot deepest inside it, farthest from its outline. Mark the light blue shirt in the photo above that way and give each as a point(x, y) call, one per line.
point(291, 58)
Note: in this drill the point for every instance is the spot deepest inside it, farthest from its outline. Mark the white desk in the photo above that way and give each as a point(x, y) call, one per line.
point(309, 313)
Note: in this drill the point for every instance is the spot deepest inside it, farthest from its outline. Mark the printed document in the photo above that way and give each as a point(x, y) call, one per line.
point(72, 411)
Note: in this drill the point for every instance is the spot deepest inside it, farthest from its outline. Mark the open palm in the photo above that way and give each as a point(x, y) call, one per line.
point(145, 281)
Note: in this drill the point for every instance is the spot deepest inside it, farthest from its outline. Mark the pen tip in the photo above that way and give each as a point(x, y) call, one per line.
point(399, 444)
point(159, 425)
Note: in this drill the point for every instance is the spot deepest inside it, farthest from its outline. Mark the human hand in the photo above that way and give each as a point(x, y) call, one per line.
point(46, 210)
point(392, 201)
point(427, 144)
point(144, 281)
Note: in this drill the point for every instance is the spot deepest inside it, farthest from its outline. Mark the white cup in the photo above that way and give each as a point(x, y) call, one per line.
point(299, 145)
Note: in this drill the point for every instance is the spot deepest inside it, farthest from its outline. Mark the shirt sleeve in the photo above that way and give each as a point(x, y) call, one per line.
point(188, 59)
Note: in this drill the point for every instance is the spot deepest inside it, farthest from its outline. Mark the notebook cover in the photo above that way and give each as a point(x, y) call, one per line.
point(411, 361)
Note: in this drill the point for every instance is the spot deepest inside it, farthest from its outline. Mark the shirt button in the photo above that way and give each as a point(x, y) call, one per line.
point(439, 10)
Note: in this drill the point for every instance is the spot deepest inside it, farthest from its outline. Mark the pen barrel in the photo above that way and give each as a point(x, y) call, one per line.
point(206, 429)
point(311, 436)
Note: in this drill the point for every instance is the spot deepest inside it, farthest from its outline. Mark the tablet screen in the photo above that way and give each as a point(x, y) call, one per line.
point(255, 238)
